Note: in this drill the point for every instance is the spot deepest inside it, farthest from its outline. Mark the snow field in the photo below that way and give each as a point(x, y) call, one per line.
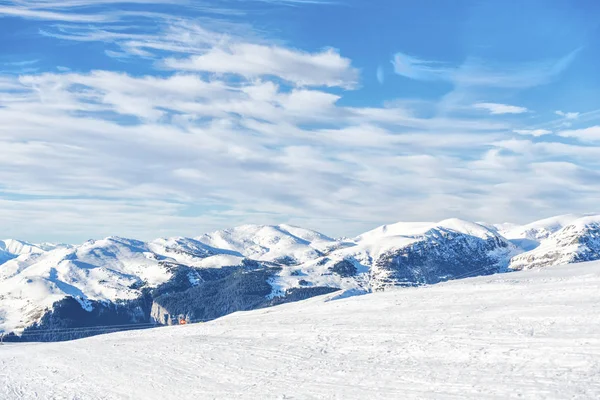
point(532, 334)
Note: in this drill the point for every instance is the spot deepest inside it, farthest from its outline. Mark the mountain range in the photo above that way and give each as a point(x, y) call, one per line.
point(57, 292)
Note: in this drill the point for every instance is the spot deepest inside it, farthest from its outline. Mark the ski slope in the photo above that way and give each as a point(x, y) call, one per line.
point(529, 334)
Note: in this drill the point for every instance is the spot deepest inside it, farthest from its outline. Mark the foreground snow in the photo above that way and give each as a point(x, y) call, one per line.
point(532, 334)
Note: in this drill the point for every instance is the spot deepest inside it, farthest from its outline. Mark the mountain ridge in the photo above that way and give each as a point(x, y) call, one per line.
point(293, 263)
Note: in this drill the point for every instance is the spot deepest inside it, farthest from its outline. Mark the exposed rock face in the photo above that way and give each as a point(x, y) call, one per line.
point(211, 294)
point(440, 255)
point(68, 320)
point(240, 290)
point(161, 316)
point(344, 268)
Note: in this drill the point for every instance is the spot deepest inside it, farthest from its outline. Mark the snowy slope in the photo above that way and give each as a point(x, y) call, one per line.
point(420, 228)
point(192, 252)
point(18, 247)
point(11, 248)
point(284, 243)
point(531, 335)
point(531, 235)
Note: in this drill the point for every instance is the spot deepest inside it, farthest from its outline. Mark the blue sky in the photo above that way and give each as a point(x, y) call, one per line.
point(151, 118)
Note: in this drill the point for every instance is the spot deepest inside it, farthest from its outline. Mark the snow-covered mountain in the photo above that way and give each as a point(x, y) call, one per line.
point(284, 244)
point(569, 241)
point(429, 253)
point(17, 247)
point(406, 254)
point(531, 235)
point(11, 248)
point(124, 280)
point(107, 270)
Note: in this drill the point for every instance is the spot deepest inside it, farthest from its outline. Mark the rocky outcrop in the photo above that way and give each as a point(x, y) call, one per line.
point(68, 320)
point(577, 242)
point(344, 268)
point(440, 255)
point(238, 291)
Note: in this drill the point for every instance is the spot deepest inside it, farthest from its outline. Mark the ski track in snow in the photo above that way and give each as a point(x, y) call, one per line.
point(531, 335)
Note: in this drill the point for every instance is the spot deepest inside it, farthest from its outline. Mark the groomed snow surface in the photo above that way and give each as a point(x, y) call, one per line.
point(533, 334)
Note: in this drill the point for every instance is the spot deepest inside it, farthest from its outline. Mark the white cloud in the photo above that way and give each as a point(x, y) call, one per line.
point(204, 153)
point(495, 108)
point(533, 132)
point(590, 134)
point(568, 115)
point(326, 68)
point(204, 148)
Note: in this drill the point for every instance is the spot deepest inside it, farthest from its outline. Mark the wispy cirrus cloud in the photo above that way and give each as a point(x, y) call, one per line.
point(41, 14)
point(475, 72)
point(64, 4)
point(380, 75)
point(298, 2)
point(216, 47)
point(533, 132)
point(19, 67)
point(420, 69)
point(567, 115)
point(96, 12)
point(497, 109)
